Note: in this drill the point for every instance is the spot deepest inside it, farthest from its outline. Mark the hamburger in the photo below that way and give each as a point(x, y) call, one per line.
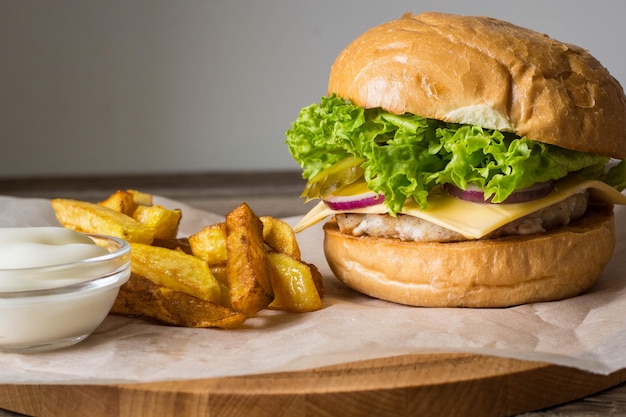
point(464, 162)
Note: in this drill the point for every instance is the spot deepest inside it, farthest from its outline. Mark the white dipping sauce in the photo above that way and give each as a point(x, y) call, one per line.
point(23, 249)
point(37, 309)
point(29, 247)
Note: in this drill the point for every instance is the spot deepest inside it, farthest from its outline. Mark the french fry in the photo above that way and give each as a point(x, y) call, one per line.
point(293, 283)
point(121, 201)
point(138, 205)
point(209, 244)
point(92, 218)
point(215, 278)
point(175, 270)
point(141, 198)
point(247, 270)
point(164, 221)
point(279, 236)
point(140, 297)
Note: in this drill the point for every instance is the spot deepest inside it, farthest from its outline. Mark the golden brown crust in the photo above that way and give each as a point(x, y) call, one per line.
point(485, 273)
point(487, 72)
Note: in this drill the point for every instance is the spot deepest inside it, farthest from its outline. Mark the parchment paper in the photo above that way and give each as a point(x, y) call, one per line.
point(586, 332)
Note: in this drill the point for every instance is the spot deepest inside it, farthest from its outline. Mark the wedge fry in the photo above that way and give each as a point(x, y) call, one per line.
point(175, 270)
point(92, 218)
point(121, 201)
point(280, 236)
point(209, 244)
point(217, 277)
point(141, 198)
point(164, 221)
point(247, 270)
point(140, 297)
point(293, 283)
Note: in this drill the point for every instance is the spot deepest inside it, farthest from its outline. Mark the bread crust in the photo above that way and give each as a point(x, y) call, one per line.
point(483, 273)
point(486, 72)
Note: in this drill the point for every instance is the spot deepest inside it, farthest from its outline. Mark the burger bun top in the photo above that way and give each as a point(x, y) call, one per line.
point(486, 72)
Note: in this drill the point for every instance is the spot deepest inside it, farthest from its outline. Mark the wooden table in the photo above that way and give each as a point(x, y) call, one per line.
point(276, 193)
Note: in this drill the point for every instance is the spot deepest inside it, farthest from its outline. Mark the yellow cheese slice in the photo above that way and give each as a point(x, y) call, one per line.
point(475, 220)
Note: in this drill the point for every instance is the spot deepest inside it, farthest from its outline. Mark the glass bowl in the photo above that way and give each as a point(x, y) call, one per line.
point(51, 307)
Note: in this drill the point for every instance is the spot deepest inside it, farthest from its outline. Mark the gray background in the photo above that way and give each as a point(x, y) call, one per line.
point(158, 86)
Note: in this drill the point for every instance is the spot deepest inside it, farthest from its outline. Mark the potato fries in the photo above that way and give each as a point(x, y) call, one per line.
point(247, 269)
point(175, 270)
point(218, 277)
point(122, 201)
point(280, 236)
point(144, 199)
point(140, 297)
point(92, 218)
point(209, 244)
point(139, 206)
point(293, 283)
point(164, 221)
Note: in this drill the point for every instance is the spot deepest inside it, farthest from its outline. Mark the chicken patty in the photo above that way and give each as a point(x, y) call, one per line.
point(411, 228)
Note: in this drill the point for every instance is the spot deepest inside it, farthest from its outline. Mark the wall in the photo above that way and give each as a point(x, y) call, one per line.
point(116, 86)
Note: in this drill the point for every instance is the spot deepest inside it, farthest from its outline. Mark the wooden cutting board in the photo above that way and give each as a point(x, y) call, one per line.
point(410, 385)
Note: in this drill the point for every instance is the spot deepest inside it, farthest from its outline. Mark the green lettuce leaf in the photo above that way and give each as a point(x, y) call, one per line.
point(405, 156)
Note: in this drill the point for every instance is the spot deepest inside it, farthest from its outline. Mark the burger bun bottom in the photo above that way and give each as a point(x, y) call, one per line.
point(498, 272)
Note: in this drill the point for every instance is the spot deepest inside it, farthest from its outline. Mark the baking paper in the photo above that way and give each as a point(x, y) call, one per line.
point(586, 332)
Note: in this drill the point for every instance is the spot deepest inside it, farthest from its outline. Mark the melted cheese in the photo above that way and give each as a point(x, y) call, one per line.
point(475, 220)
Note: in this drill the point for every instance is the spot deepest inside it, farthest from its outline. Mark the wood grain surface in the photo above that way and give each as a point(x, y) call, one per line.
point(411, 385)
point(416, 385)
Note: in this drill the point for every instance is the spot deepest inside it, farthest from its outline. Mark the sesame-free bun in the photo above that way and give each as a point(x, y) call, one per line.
point(486, 72)
point(485, 273)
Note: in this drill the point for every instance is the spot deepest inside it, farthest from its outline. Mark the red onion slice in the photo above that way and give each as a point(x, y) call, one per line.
point(476, 195)
point(353, 202)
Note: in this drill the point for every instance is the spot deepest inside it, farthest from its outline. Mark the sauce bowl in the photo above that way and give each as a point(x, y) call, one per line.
point(51, 307)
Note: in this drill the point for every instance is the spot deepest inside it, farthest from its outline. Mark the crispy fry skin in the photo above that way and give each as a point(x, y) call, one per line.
point(164, 221)
point(209, 244)
point(175, 270)
point(293, 283)
point(280, 236)
point(247, 269)
point(140, 297)
point(92, 218)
